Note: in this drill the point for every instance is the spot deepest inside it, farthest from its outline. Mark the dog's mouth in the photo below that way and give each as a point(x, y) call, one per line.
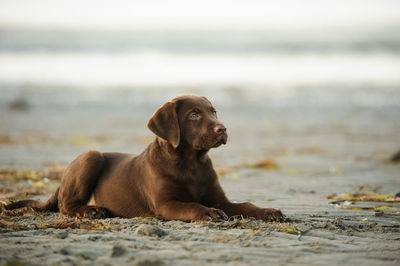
point(217, 144)
point(221, 141)
point(208, 142)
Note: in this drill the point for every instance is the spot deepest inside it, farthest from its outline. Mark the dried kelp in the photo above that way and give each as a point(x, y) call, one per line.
point(365, 196)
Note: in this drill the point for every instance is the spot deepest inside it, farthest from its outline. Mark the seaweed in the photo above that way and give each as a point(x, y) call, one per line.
point(365, 196)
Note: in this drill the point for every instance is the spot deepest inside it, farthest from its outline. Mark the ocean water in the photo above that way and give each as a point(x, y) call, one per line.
point(347, 53)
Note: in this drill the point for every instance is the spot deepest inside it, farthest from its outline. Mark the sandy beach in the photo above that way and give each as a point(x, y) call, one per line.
point(309, 92)
point(298, 158)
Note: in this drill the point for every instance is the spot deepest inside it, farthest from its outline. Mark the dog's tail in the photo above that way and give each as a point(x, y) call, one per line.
point(51, 205)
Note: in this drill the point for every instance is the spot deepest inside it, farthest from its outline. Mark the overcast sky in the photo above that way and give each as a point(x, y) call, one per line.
point(209, 14)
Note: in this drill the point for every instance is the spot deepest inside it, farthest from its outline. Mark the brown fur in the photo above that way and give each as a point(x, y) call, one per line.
point(173, 177)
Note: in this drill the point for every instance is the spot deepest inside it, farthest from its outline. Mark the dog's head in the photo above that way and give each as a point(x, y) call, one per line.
point(189, 120)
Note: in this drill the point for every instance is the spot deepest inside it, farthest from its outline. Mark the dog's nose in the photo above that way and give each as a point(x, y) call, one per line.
point(219, 129)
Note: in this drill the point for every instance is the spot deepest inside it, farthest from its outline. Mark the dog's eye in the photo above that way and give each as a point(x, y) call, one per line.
point(214, 112)
point(194, 116)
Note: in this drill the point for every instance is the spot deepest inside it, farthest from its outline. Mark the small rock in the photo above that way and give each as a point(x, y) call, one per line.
point(236, 258)
point(87, 255)
point(148, 262)
point(62, 234)
point(223, 258)
point(149, 230)
point(118, 251)
point(66, 251)
point(50, 231)
point(94, 237)
point(303, 228)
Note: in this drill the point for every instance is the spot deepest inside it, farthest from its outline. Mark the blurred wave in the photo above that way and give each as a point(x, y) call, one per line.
point(333, 66)
point(358, 41)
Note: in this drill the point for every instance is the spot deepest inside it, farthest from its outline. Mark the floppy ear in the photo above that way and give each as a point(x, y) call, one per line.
point(164, 123)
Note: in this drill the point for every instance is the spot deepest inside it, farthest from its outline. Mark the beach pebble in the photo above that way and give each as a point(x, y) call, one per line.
point(94, 237)
point(87, 255)
point(66, 251)
point(118, 251)
point(149, 230)
point(50, 231)
point(62, 234)
point(148, 262)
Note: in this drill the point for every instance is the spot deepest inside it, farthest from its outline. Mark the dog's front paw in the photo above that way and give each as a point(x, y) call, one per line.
point(214, 215)
point(94, 212)
point(270, 215)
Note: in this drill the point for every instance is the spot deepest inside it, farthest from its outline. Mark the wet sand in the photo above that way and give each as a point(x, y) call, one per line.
point(314, 151)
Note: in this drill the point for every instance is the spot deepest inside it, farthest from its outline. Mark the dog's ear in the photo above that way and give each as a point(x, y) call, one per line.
point(164, 123)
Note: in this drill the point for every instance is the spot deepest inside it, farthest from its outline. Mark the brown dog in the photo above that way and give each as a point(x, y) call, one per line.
point(173, 177)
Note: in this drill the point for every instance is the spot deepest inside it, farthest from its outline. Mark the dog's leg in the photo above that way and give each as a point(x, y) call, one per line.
point(216, 198)
point(246, 209)
point(77, 185)
point(189, 211)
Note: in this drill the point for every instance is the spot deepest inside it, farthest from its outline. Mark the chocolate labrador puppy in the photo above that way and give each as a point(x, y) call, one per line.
point(173, 178)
